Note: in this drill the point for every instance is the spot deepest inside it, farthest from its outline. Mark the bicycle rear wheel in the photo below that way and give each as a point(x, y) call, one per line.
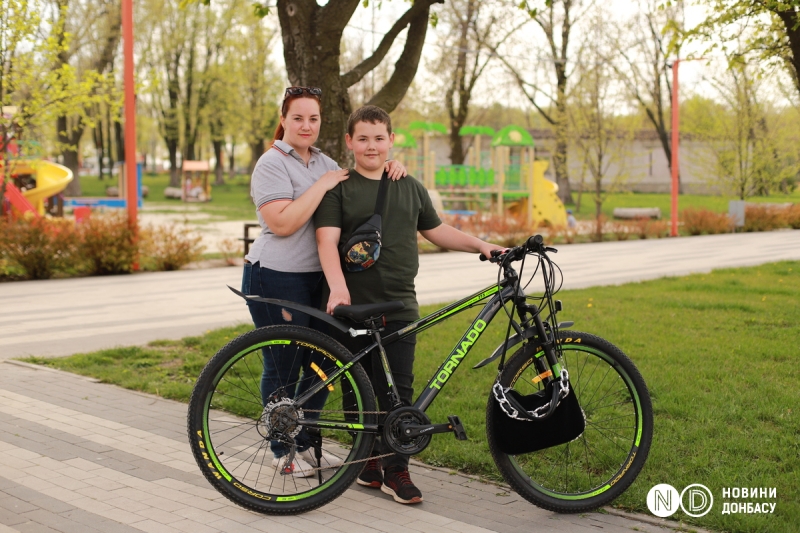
point(604, 460)
point(230, 429)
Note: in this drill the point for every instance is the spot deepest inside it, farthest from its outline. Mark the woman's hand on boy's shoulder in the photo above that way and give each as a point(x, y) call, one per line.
point(332, 178)
point(395, 169)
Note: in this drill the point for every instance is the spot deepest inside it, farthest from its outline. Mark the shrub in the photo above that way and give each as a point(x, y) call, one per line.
point(170, 247)
point(621, 230)
point(39, 247)
point(793, 216)
point(108, 243)
point(560, 234)
point(506, 230)
point(230, 249)
point(600, 227)
point(699, 221)
point(764, 217)
point(646, 228)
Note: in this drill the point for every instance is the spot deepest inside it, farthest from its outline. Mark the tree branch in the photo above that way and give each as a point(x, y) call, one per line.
point(362, 69)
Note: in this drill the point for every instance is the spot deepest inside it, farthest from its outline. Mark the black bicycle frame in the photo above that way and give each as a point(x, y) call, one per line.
point(499, 295)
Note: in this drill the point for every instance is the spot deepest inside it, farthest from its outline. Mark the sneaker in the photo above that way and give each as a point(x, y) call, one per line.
point(372, 475)
point(298, 467)
point(398, 484)
point(327, 460)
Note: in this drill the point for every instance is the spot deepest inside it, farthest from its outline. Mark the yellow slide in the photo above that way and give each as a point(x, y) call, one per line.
point(51, 179)
point(546, 206)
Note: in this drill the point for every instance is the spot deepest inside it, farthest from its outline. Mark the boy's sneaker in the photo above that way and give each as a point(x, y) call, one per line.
point(372, 475)
point(328, 460)
point(398, 484)
point(297, 468)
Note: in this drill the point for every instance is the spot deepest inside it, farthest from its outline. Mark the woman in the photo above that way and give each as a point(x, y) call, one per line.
point(288, 183)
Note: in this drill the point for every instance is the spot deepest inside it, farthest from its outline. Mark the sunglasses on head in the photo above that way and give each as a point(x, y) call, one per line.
point(297, 91)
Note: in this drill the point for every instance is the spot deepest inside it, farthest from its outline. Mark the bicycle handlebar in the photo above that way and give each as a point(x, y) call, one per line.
point(534, 244)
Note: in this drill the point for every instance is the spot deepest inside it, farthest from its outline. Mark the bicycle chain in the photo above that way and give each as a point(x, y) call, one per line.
point(315, 469)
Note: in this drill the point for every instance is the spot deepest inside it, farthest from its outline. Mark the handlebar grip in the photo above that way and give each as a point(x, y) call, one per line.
point(534, 243)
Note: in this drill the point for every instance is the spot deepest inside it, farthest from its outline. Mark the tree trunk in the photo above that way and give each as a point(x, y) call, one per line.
point(69, 137)
point(256, 150)
point(174, 170)
point(791, 21)
point(219, 180)
point(561, 128)
point(232, 161)
point(99, 145)
point(119, 135)
point(311, 48)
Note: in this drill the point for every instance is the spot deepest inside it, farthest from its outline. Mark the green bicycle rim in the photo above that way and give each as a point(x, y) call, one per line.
point(210, 448)
point(631, 455)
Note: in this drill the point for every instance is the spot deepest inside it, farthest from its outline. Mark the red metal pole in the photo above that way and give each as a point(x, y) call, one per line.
point(131, 189)
point(675, 142)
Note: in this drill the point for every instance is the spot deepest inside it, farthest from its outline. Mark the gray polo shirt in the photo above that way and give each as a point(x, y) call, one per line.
point(281, 174)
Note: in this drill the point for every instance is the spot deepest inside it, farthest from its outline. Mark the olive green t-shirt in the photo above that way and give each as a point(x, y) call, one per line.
point(407, 208)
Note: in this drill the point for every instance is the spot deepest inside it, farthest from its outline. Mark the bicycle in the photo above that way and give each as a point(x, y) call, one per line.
point(569, 419)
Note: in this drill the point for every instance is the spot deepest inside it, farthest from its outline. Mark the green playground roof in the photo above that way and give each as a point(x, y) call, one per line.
point(476, 130)
point(419, 125)
point(404, 139)
point(513, 136)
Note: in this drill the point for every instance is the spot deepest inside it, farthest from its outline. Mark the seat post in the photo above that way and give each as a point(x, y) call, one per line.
point(394, 398)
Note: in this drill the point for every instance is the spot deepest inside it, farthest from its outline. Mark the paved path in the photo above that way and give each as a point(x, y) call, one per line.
point(80, 456)
point(62, 317)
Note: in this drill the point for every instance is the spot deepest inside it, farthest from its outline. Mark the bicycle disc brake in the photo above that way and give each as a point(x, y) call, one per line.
point(394, 431)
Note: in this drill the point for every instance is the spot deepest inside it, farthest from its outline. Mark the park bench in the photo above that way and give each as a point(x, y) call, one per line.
point(247, 239)
point(637, 212)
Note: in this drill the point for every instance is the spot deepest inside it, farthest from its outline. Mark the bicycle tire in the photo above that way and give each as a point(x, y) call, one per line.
point(595, 468)
point(227, 431)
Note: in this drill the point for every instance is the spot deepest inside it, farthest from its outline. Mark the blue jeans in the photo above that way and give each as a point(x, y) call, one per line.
point(303, 288)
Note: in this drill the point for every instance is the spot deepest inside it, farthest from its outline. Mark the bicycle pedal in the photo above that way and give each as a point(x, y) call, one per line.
point(458, 429)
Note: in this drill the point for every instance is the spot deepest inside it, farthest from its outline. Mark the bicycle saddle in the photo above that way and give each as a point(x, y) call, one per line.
point(360, 313)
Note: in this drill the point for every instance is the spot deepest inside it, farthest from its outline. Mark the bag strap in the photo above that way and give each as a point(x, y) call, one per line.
point(381, 193)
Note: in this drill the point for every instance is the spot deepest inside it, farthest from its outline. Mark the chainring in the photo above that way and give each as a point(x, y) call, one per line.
point(392, 432)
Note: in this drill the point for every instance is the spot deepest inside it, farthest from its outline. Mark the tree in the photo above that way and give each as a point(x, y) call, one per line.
point(774, 30)
point(752, 151)
point(91, 47)
point(601, 136)
point(470, 28)
point(259, 86)
point(32, 76)
point(644, 44)
point(556, 20)
point(312, 36)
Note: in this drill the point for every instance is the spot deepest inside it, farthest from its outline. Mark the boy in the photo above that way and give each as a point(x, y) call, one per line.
point(407, 209)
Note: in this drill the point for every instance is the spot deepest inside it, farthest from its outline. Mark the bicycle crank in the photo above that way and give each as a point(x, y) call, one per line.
point(408, 430)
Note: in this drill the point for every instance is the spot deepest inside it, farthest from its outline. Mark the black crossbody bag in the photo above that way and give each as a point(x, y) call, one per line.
point(363, 248)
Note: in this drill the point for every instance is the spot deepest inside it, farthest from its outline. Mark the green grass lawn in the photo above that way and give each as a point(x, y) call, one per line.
point(719, 352)
point(229, 202)
point(232, 200)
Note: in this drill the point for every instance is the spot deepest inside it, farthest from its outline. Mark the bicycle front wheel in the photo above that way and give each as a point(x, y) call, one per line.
point(604, 460)
point(234, 424)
